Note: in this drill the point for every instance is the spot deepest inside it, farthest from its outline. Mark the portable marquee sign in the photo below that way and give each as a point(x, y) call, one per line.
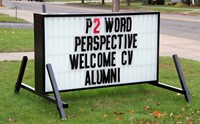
point(84, 51)
point(97, 50)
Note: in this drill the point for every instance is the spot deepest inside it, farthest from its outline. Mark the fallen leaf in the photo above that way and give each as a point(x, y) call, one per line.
point(69, 116)
point(131, 118)
point(158, 103)
point(190, 121)
point(178, 116)
point(165, 114)
point(9, 119)
point(187, 118)
point(105, 115)
point(82, 110)
point(171, 114)
point(131, 112)
point(183, 109)
point(146, 107)
point(179, 122)
point(150, 100)
point(118, 113)
point(157, 114)
point(118, 118)
point(147, 122)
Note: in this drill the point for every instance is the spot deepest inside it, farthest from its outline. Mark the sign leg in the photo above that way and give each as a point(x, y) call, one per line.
point(184, 89)
point(56, 91)
point(181, 78)
point(21, 74)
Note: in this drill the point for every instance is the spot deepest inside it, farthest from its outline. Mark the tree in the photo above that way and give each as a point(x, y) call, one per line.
point(115, 5)
point(0, 3)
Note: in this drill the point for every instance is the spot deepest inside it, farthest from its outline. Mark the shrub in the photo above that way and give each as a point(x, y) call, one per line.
point(181, 5)
point(160, 2)
point(186, 2)
point(197, 2)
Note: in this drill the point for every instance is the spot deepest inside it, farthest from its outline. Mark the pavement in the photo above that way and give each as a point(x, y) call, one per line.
point(169, 45)
point(16, 25)
point(16, 56)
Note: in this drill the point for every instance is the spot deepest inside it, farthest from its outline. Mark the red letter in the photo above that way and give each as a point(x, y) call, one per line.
point(97, 22)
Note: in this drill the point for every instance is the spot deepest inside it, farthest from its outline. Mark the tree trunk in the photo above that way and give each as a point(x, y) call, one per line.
point(115, 5)
point(1, 3)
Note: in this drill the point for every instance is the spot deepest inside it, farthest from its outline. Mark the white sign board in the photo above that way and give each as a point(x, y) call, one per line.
point(98, 50)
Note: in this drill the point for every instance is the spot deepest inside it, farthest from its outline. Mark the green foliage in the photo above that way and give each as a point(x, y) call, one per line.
point(138, 6)
point(156, 2)
point(16, 40)
point(145, 2)
point(62, 0)
point(7, 18)
point(165, 10)
point(197, 2)
point(133, 104)
point(181, 5)
point(160, 2)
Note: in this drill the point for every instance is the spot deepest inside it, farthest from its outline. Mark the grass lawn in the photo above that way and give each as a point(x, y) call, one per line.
point(137, 6)
point(7, 18)
point(61, 0)
point(16, 40)
point(133, 104)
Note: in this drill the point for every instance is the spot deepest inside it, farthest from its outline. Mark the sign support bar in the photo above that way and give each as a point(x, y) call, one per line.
point(56, 91)
point(21, 74)
point(185, 91)
point(182, 79)
point(60, 104)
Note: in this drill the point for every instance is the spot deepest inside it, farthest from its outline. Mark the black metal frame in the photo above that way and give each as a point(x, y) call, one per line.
point(184, 90)
point(57, 100)
point(61, 105)
point(56, 91)
point(181, 78)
